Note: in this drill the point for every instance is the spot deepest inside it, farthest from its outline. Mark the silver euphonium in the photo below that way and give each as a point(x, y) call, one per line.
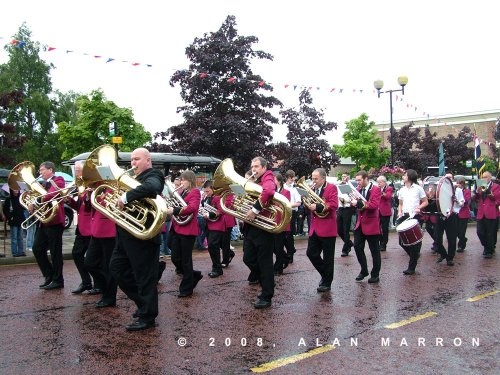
point(173, 199)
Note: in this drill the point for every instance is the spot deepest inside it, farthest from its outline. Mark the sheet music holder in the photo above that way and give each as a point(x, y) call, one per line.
point(302, 192)
point(345, 188)
point(105, 172)
point(238, 189)
point(23, 186)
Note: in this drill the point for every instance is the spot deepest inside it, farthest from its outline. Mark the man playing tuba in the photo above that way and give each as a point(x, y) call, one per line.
point(258, 244)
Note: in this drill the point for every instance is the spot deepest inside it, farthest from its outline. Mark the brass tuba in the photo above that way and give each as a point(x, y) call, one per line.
point(44, 211)
point(144, 218)
point(267, 219)
point(174, 199)
point(313, 198)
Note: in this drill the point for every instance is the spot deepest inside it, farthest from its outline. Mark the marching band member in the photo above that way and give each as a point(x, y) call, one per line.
point(450, 225)
point(412, 199)
point(463, 215)
point(385, 210)
point(99, 254)
point(323, 230)
point(367, 226)
point(430, 216)
point(82, 233)
point(295, 202)
point(257, 243)
point(344, 218)
point(279, 238)
point(135, 262)
point(49, 235)
point(230, 222)
point(488, 199)
point(183, 236)
point(216, 227)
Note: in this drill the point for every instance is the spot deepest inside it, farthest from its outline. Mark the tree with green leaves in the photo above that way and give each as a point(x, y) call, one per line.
point(10, 142)
point(89, 127)
point(25, 71)
point(362, 144)
point(226, 110)
point(305, 150)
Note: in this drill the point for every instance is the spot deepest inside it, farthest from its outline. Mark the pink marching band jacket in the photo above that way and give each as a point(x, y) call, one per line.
point(368, 216)
point(327, 226)
point(192, 199)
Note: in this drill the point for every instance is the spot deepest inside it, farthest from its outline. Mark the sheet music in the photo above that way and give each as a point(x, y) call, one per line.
point(237, 189)
point(23, 186)
point(345, 188)
point(105, 172)
point(302, 192)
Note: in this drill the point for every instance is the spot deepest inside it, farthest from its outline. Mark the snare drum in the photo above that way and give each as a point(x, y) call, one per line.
point(409, 232)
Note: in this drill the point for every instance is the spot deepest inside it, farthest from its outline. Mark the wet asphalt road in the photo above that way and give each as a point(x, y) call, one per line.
point(217, 330)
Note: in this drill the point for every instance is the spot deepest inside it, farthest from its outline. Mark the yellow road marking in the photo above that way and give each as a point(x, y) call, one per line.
point(411, 320)
point(265, 367)
point(481, 296)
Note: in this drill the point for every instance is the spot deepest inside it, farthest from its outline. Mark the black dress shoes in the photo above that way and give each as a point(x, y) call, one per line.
point(81, 288)
point(214, 274)
point(140, 325)
point(47, 281)
point(184, 294)
point(262, 304)
point(361, 276)
point(278, 272)
point(197, 278)
point(102, 303)
point(373, 280)
point(54, 285)
point(95, 291)
point(323, 288)
point(440, 259)
point(253, 282)
point(450, 262)
point(409, 272)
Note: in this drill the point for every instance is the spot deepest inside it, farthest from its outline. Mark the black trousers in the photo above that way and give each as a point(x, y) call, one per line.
point(316, 245)
point(279, 251)
point(413, 252)
point(449, 226)
point(344, 217)
point(97, 262)
point(293, 222)
point(80, 247)
point(462, 228)
point(134, 265)
point(486, 231)
point(384, 226)
point(214, 248)
point(182, 258)
point(226, 246)
point(359, 247)
point(289, 244)
point(49, 238)
point(258, 256)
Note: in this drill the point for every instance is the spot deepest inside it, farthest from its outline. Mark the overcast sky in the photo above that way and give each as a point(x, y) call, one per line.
point(448, 49)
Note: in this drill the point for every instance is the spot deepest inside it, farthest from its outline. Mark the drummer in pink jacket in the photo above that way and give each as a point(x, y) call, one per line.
point(412, 199)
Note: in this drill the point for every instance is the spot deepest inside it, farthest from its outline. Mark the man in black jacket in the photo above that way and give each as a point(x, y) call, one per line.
point(135, 262)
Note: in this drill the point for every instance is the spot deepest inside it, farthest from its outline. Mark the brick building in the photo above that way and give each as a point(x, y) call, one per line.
point(483, 122)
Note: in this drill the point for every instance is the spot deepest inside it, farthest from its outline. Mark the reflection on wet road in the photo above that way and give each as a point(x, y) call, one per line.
point(218, 331)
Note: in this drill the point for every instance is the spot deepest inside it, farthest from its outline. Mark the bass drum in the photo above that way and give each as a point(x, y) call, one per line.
point(444, 196)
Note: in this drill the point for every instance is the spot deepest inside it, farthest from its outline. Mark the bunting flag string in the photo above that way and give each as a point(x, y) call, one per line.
point(192, 74)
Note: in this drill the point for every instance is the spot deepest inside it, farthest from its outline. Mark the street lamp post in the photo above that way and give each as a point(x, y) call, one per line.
point(378, 84)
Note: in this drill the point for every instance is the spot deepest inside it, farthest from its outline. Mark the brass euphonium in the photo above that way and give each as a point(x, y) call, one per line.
point(143, 218)
point(273, 218)
point(173, 199)
point(44, 211)
point(313, 198)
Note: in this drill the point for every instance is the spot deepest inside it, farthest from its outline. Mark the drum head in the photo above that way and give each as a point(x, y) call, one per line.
point(444, 196)
point(407, 224)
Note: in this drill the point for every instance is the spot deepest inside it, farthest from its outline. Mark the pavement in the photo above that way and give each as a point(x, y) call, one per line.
point(441, 320)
